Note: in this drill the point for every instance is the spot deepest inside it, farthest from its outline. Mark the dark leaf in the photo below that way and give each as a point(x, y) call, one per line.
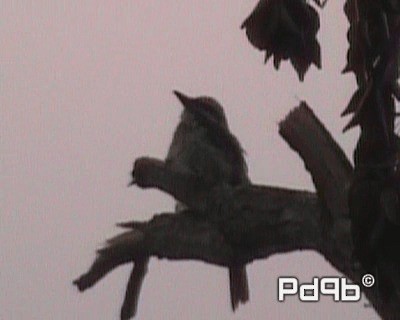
point(286, 30)
point(355, 100)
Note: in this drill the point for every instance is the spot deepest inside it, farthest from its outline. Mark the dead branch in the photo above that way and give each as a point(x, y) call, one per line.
point(247, 223)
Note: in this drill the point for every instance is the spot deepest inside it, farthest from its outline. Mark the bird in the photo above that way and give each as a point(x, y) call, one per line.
point(203, 146)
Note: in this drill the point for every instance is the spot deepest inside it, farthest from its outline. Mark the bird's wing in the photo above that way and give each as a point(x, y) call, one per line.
point(224, 140)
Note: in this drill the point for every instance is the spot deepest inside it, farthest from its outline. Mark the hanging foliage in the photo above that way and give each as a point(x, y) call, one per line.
point(286, 30)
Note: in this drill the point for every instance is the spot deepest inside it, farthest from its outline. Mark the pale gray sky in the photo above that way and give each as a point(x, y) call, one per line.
point(85, 89)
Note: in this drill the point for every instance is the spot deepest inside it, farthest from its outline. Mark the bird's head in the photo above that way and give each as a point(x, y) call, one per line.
point(202, 109)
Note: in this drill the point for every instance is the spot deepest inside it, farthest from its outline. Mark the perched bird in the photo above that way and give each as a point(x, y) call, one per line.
point(204, 146)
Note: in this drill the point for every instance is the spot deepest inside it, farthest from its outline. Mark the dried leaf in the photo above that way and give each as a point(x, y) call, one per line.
point(286, 30)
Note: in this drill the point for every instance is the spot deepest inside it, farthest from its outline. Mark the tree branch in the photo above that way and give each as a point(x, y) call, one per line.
point(329, 167)
point(246, 223)
point(331, 173)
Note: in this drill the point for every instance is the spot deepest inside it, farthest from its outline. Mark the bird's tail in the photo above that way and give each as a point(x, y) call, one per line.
point(239, 287)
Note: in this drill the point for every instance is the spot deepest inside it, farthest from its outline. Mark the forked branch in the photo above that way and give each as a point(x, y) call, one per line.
point(246, 223)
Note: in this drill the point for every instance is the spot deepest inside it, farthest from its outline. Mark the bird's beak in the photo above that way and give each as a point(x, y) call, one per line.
point(185, 100)
point(133, 182)
point(193, 107)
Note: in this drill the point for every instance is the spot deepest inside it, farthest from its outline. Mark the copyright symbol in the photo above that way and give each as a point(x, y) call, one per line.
point(368, 280)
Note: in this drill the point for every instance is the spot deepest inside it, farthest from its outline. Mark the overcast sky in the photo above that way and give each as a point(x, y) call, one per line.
point(86, 87)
